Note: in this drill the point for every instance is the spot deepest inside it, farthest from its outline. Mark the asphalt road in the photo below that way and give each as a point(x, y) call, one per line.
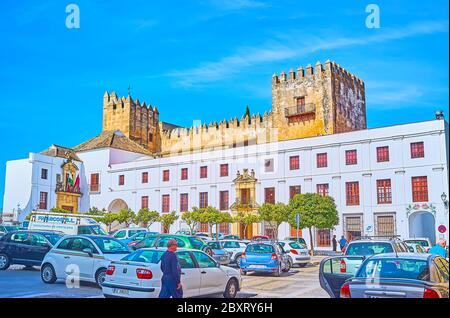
point(17, 282)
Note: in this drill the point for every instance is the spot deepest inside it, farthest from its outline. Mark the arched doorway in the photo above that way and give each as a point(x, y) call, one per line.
point(117, 205)
point(422, 224)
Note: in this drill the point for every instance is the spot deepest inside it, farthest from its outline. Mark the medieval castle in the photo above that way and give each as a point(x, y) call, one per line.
point(320, 100)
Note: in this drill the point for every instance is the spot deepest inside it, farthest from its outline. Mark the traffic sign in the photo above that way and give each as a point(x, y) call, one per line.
point(297, 218)
point(442, 228)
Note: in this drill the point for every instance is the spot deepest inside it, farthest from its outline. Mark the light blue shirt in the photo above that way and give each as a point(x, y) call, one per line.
point(438, 250)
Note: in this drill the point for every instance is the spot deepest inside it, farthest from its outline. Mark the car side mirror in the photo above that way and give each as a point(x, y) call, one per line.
point(287, 251)
point(88, 251)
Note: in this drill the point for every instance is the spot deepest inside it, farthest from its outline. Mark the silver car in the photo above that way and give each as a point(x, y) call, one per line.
point(390, 275)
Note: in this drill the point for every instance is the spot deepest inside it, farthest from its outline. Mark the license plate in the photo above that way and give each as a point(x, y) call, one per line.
point(121, 291)
point(258, 266)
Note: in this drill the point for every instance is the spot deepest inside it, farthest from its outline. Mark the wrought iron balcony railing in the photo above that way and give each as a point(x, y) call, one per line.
point(244, 204)
point(300, 110)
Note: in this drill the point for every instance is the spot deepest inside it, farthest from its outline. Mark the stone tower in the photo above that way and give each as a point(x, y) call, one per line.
point(320, 100)
point(138, 122)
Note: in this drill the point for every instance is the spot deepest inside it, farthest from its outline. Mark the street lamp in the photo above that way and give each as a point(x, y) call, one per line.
point(445, 201)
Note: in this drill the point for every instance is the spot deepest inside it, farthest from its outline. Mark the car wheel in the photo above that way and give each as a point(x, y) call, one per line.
point(48, 274)
point(278, 271)
point(243, 272)
point(100, 276)
point(303, 265)
point(4, 262)
point(238, 261)
point(231, 289)
point(288, 266)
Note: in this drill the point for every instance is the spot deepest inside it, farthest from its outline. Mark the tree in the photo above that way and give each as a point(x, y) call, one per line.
point(126, 216)
point(146, 217)
point(59, 210)
point(246, 220)
point(97, 214)
point(108, 219)
point(274, 214)
point(315, 211)
point(191, 218)
point(247, 112)
point(220, 218)
point(167, 219)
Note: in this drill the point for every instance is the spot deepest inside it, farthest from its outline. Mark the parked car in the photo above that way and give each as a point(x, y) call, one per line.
point(231, 237)
point(203, 235)
point(8, 228)
point(91, 254)
point(389, 275)
point(422, 241)
point(416, 248)
point(124, 234)
point(264, 257)
point(219, 254)
point(235, 248)
point(26, 247)
point(138, 237)
point(184, 241)
point(139, 274)
point(298, 254)
point(368, 246)
point(300, 240)
point(260, 238)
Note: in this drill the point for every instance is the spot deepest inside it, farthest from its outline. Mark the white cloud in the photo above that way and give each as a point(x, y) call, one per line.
point(297, 46)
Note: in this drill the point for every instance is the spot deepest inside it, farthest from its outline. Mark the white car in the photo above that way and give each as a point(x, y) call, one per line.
point(124, 234)
point(139, 275)
point(86, 255)
point(298, 255)
point(235, 248)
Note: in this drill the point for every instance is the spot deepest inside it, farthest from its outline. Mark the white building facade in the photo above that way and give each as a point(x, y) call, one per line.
point(385, 181)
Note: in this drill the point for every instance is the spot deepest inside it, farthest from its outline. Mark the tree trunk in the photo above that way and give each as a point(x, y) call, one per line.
point(311, 241)
point(217, 231)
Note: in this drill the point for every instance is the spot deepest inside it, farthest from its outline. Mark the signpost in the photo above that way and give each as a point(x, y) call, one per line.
point(297, 219)
point(442, 229)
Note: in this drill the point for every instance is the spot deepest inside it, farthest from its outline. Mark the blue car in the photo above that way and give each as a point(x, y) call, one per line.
point(138, 237)
point(268, 257)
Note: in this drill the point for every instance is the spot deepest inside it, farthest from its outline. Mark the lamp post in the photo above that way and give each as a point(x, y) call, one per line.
point(445, 201)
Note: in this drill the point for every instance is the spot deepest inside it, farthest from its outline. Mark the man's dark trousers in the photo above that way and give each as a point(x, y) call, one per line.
point(169, 289)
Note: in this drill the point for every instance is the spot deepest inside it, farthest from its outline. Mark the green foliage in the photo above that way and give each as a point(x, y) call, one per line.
point(126, 216)
point(213, 217)
point(315, 211)
point(97, 214)
point(247, 112)
point(59, 210)
point(167, 219)
point(191, 218)
point(146, 217)
point(274, 214)
point(246, 219)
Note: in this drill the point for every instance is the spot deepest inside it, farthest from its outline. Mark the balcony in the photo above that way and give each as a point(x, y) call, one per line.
point(66, 188)
point(300, 110)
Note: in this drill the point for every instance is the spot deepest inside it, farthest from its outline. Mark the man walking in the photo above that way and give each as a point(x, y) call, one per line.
point(334, 243)
point(439, 248)
point(171, 279)
point(342, 242)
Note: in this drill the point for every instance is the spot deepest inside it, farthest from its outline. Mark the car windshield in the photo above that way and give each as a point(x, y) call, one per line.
point(395, 268)
point(111, 245)
point(196, 243)
point(423, 243)
point(296, 245)
point(151, 257)
point(11, 228)
point(215, 245)
point(53, 238)
point(368, 248)
point(260, 249)
point(91, 229)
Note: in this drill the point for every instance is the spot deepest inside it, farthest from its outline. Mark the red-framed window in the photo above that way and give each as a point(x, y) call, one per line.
point(204, 227)
point(322, 160)
point(184, 173)
point(144, 202)
point(269, 195)
point(203, 172)
point(383, 154)
point(384, 191)
point(351, 157)
point(352, 192)
point(417, 150)
point(43, 196)
point(144, 177)
point(224, 228)
point(224, 170)
point(166, 175)
point(323, 237)
point(184, 202)
point(203, 200)
point(121, 180)
point(420, 189)
point(323, 189)
point(294, 190)
point(95, 182)
point(224, 200)
point(166, 203)
point(294, 163)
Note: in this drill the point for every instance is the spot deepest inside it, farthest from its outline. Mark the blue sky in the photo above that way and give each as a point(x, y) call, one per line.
point(205, 60)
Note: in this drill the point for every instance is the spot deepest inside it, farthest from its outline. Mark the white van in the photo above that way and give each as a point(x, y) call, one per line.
point(70, 224)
